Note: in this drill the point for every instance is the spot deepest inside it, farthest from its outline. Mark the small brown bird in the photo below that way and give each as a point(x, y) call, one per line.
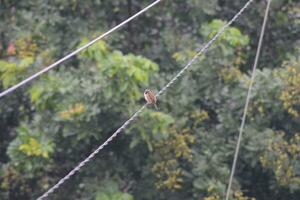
point(150, 98)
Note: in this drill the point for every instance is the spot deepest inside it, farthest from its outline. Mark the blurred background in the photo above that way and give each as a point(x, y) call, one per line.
point(182, 151)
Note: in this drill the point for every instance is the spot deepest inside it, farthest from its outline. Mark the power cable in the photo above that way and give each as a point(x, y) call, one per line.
point(32, 77)
point(136, 114)
point(247, 100)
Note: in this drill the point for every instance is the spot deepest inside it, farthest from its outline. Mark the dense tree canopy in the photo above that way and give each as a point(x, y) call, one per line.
point(182, 151)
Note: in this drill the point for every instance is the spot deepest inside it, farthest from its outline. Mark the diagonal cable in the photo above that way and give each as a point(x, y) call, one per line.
point(204, 49)
point(247, 100)
point(92, 155)
point(44, 70)
point(135, 115)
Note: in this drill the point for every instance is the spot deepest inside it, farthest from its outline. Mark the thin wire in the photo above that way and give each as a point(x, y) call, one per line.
point(133, 117)
point(92, 155)
point(25, 81)
point(204, 49)
point(248, 99)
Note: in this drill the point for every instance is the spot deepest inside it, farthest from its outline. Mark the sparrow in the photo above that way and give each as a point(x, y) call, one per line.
point(150, 98)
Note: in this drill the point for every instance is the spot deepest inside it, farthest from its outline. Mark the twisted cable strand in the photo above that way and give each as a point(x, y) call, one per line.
point(92, 155)
point(204, 49)
point(32, 77)
point(247, 100)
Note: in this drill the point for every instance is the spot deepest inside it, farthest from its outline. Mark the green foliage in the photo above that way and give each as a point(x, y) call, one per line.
point(20, 57)
point(153, 127)
point(10, 72)
point(182, 151)
point(30, 149)
point(111, 192)
point(168, 154)
point(114, 196)
point(289, 96)
point(232, 36)
point(237, 195)
point(125, 72)
point(282, 158)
